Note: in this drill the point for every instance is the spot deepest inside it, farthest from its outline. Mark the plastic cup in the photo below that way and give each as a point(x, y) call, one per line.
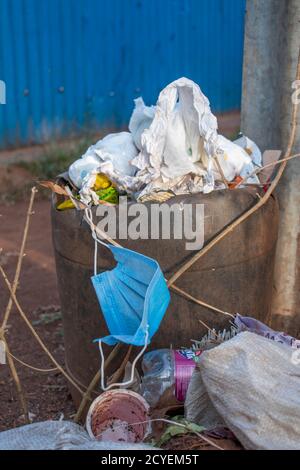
point(118, 416)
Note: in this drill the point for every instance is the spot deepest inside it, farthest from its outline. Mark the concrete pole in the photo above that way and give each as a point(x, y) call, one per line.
point(272, 41)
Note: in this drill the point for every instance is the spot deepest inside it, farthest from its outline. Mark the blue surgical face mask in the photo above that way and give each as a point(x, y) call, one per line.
point(133, 297)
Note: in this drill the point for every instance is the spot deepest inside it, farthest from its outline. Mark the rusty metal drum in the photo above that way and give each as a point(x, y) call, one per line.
point(235, 275)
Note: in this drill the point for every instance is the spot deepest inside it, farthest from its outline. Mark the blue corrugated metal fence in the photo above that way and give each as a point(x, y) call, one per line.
point(68, 64)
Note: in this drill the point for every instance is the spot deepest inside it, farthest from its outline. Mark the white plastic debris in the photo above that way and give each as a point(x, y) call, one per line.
point(58, 435)
point(115, 152)
point(181, 140)
point(251, 148)
point(253, 384)
point(256, 158)
point(112, 156)
point(83, 167)
point(179, 149)
point(140, 120)
point(198, 407)
point(171, 146)
point(232, 159)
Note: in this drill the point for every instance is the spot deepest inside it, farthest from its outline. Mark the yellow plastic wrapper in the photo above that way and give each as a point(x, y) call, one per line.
point(102, 182)
point(67, 204)
point(103, 188)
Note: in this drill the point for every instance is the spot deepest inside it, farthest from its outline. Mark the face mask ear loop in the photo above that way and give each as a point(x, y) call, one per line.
point(95, 257)
point(89, 219)
point(120, 384)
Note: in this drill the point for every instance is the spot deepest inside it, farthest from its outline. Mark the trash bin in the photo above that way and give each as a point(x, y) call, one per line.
point(235, 275)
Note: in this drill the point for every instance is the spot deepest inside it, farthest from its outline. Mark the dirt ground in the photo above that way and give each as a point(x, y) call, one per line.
point(47, 393)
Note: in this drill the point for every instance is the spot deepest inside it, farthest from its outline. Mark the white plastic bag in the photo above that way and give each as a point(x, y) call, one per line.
point(179, 148)
point(83, 167)
point(178, 144)
point(111, 155)
point(198, 407)
point(140, 120)
point(232, 159)
point(256, 158)
point(58, 435)
point(254, 385)
point(181, 140)
point(178, 156)
point(117, 150)
point(251, 148)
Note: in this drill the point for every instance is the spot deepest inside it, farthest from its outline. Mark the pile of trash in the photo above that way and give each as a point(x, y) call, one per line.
point(171, 148)
point(241, 390)
point(239, 386)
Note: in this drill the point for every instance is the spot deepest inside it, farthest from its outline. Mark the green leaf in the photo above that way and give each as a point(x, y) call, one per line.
point(193, 427)
point(170, 432)
point(176, 430)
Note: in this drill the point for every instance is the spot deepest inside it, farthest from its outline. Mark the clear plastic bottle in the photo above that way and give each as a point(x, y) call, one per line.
point(158, 368)
point(166, 372)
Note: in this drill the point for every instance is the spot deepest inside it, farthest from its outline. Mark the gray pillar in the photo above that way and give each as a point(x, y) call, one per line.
point(272, 41)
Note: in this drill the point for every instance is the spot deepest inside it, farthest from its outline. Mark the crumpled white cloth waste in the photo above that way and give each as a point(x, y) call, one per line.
point(171, 146)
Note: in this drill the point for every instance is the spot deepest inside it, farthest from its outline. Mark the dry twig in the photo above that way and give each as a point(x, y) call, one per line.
point(20, 257)
point(10, 358)
point(37, 337)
